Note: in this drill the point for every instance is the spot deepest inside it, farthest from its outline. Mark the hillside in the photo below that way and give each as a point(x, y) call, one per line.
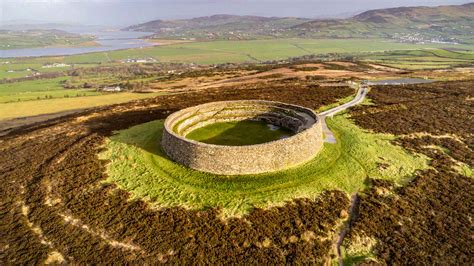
point(219, 27)
point(406, 24)
point(13, 39)
point(404, 15)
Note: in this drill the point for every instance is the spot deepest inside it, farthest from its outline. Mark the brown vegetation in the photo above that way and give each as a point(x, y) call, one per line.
point(429, 220)
point(54, 206)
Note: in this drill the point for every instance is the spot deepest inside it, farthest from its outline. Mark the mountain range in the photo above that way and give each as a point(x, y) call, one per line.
point(454, 23)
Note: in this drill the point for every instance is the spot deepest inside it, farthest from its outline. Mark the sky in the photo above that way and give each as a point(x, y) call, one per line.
point(128, 12)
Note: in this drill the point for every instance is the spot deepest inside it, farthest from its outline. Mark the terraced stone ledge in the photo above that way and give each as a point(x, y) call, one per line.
point(240, 160)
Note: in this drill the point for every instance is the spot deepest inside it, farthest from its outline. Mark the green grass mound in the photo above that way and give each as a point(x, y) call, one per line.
point(139, 165)
point(238, 133)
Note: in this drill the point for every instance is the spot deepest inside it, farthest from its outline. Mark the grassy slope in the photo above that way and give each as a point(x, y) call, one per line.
point(28, 98)
point(237, 133)
point(39, 89)
point(423, 59)
point(139, 165)
point(19, 69)
point(31, 108)
point(31, 86)
point(43, 95)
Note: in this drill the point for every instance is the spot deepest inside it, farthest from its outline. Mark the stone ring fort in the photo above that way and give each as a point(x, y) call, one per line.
point(302, 146)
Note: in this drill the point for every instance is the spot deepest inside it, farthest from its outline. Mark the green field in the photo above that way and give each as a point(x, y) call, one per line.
point(40, 93)
point(40, 90)
point(139, 165)
point(43, 96)
point(423, 59)
point(215, 52)
point(31, 108)
point(238, 133)
point(252, 50)
point(18, 69)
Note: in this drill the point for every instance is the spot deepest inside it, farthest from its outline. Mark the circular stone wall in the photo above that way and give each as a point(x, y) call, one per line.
point(239, 160)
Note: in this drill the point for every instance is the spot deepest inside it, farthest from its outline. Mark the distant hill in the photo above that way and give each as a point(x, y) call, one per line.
point(406, 15)
point(408, 24)
point(201, 23)
point(13, 39)
point(220, 27)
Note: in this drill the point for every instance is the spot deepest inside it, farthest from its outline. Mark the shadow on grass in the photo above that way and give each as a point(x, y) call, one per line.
point(139, 165)
point(239, 133)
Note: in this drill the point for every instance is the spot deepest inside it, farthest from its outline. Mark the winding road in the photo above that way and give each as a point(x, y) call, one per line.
point(329, 136)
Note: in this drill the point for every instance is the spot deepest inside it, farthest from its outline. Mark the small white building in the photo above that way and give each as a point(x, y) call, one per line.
point(56, 65)
point(112, 89)
point(139, 60)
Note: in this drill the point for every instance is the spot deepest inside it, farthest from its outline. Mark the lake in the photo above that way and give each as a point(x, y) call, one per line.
point(109, 40)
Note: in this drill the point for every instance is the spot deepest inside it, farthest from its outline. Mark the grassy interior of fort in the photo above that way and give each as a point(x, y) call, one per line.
point(238, 133)
point(138, 164)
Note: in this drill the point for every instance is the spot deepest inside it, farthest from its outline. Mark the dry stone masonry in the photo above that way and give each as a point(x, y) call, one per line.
point(239, 160)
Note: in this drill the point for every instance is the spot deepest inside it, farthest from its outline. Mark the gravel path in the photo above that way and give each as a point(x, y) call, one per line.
point(329, 136)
